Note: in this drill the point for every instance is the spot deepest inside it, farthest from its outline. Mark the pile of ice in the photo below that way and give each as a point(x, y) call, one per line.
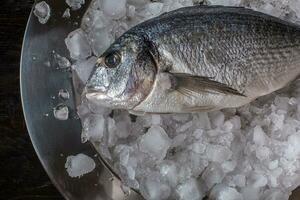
point(250, 153)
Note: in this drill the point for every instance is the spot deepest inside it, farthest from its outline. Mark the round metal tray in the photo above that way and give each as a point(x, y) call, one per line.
point(52, 139)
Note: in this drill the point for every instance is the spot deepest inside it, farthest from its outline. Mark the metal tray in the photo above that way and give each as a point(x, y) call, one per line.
point(52, 139)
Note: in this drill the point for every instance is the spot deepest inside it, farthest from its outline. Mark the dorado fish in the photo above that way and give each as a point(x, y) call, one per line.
point(194, 59)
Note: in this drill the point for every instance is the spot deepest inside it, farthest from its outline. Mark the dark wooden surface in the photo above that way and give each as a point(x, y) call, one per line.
point(21, 174)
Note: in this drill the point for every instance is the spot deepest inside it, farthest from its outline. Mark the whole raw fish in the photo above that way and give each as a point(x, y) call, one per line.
point(198, 58)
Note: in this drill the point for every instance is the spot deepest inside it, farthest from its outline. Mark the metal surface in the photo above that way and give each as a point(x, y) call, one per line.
point(54, 140)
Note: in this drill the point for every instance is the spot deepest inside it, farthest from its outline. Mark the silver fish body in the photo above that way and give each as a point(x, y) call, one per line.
point(198, 58)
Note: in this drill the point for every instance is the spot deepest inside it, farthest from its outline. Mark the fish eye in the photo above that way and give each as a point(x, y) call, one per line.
point(112, 60)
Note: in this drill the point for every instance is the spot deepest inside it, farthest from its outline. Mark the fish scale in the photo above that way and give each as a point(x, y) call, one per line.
point(212, 57)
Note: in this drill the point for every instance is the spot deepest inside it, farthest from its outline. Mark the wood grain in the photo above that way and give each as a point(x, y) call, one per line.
point(21, 174)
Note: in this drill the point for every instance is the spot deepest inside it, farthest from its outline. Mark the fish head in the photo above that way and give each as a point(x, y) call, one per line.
point(124, 75)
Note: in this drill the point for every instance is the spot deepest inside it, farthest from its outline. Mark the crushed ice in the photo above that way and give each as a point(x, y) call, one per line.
point(252, 152)
point(42, 11)
point(75, 4)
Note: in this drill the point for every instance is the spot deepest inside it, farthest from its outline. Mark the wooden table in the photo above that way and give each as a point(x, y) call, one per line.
point(21, 174)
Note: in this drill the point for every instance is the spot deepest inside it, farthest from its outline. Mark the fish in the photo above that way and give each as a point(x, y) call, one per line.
point(196, 59)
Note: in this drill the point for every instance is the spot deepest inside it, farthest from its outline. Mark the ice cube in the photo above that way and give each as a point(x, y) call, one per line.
point(137, 3)
point(78, 45)
point(152, 188)
point(273, 164)
point(83, 110)
point(95, 19)
point(274, 194)
point(131, 11)
point(218, 153)
point(155, 143)
point(112, 132)
point(189, 190)
point(156, 119)
point(277, 121)
point(198, 134)
point(181, 117)
point(185, 127)
point(178, 140)
point(79, 165)
point(61, 112)
point(84, 68)
point(223, 192)
point(229, 166)
point(274, 175)
point(75, 4)
point(263, 152)
point(67, 13)
point(292, 150)
point(169, 171)
point(185, 172)
point(259, 136)
point(282, 102)
point(123, 153)
point(119, 29)
point(257, 180)
point(197, 147)
point(293, 101)
point(93, 128)
point(128, 167)
point(61, 61)
point(115, 9)
point(250, 193)
point(236, 122)
point(154, 8)
point(100, 39)
point(295, 6)
point(203, 121)
point(42, 11)
point(170, 5)
point(212, 175)
point(225, 2)
point(123, 125)
point(217, 118)
point(239, 180)
point(228, 126)
point(126, 189)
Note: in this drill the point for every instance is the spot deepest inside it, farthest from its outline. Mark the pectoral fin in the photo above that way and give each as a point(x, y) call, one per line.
point(188, 84)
